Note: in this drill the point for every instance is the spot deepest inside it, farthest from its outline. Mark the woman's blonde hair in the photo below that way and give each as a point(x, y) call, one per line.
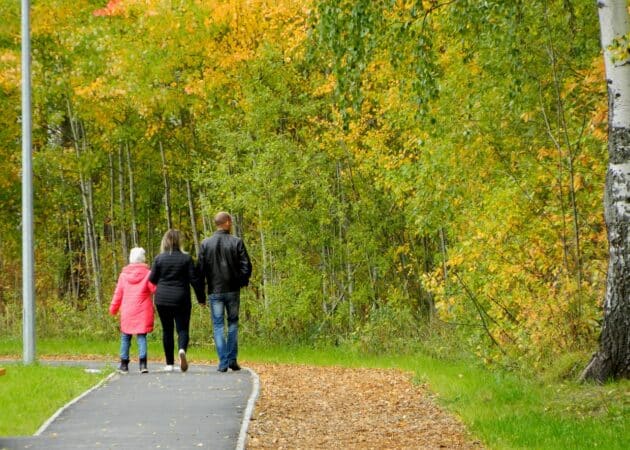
point(170, 241)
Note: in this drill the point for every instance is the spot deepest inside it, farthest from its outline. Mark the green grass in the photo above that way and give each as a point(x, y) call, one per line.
point(29, 395)
point(503, 410)
point(92, 349)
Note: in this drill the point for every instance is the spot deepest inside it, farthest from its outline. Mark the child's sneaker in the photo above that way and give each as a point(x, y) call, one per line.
point(143, 365)
point(124, 366)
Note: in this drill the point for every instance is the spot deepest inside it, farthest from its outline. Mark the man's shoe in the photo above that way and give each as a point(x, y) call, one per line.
point(234, 366)
point(183, 364)
point(222, 369)
point(168, 368)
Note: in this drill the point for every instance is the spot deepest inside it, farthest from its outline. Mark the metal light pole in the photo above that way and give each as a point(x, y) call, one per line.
point(28, 286)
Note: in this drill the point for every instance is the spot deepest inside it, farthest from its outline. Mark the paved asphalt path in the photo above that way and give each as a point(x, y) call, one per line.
point(201, 408)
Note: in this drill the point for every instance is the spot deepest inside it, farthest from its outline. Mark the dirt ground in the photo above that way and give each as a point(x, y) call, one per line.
point(305, 407)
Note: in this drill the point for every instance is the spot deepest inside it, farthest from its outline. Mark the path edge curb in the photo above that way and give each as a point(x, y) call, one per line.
point(52, 418)
point(249, 410)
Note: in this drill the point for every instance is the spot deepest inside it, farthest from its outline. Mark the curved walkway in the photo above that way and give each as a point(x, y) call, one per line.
point(201, 408)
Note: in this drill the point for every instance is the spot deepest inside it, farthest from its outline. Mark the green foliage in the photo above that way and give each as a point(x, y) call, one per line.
point(393, 167)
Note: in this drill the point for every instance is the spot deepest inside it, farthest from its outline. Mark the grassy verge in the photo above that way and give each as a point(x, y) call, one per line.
point(77, 348)
point(503, 410)
point(29, 395)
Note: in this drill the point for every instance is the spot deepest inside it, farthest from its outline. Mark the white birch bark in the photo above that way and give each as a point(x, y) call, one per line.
point(167, 188)
point(123, 208)
point(263, 249)
point(613, 358)
point(193, 217)
point(112, 213)
point(85, 185)
point(132, 197)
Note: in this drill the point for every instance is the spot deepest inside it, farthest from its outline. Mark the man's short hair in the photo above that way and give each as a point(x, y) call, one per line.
point(221, 218)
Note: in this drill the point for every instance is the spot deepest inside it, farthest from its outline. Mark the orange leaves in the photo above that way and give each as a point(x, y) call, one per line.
point(546, 153)
point(598, 127)
point(113, 8)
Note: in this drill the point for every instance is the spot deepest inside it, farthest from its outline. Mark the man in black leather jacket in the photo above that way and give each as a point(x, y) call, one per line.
point(225, 268)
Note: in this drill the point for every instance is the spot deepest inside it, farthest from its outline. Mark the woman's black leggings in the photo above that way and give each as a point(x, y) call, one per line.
point(180, 317)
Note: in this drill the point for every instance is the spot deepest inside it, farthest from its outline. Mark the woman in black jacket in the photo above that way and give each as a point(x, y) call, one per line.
point(173, 272)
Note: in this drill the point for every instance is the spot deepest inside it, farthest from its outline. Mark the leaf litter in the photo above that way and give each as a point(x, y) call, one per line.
point(308, 407)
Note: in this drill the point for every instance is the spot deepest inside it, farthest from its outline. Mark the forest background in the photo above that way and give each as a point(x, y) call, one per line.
point(405, 174)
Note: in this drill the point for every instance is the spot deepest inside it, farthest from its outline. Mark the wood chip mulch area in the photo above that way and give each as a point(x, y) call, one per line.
point(305, 407)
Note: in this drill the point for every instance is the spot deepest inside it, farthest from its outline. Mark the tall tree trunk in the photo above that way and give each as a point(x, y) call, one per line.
point(123, 207)
point(193, 217)
point(206, 227)
point(613, 358)
point(112, 213)
point(263, 249)
point(96, 260)
point(444, 258)
point(167, 188)
point(74, 286)
point(346, 263)
point(132, 197)
point(85, 185)
point(373, 275)
point(567, 156)
point(324, 272)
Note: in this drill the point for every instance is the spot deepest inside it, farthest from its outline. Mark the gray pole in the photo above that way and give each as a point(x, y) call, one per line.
point(28, 286)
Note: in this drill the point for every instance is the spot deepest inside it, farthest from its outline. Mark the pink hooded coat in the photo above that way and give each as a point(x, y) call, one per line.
point(133, 298)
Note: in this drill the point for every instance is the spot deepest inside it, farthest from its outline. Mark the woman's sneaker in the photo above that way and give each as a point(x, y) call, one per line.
point(183, 364)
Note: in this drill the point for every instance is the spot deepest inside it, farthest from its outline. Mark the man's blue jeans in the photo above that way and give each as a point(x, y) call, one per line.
point(222, 305)
point(125, 343)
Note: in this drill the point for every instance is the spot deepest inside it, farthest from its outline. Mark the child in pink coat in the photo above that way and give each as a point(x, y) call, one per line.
point(133, 298)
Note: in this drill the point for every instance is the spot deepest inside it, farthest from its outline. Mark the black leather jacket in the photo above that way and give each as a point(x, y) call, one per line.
point(223, 263)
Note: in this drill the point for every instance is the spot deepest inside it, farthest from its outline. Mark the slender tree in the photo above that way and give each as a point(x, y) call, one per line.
point(123, 207)
point(85, 183)
point(167, 187)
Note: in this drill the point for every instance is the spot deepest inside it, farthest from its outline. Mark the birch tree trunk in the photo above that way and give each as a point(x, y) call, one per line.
point(444, 258)
point(96, 260)
point(112, 213)
point(193, 218)
point(132, 197)
point(613, 358)
point(167, 188)
point(123, 208)
point(85, 184)
point(74, 285)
